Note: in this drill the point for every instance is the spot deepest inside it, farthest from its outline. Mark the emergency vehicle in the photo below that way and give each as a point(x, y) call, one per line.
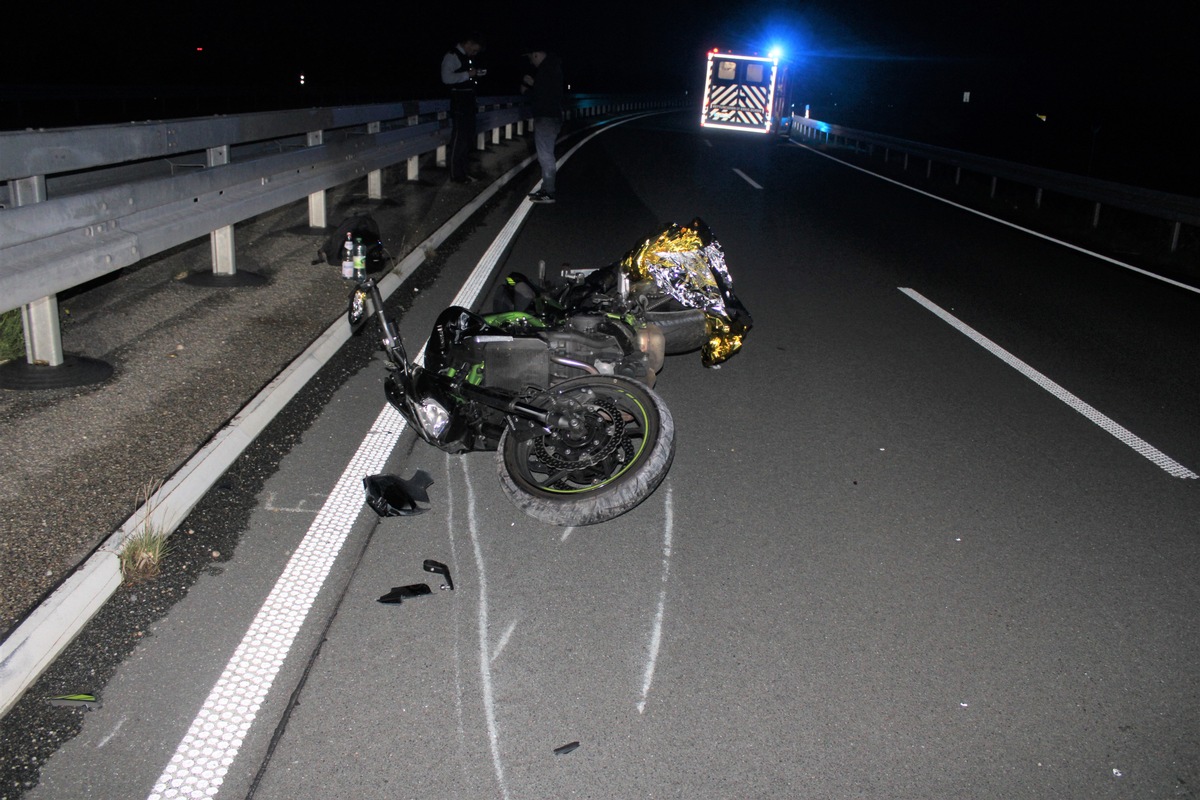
point(744, 93)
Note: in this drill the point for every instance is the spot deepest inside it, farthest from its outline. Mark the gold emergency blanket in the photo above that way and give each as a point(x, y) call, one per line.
point(689, 265)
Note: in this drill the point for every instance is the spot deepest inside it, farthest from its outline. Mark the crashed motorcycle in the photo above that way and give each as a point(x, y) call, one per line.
point(557, 378)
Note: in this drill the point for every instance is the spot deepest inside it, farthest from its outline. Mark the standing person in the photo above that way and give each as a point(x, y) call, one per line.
point(545, 87)
point(459, 74)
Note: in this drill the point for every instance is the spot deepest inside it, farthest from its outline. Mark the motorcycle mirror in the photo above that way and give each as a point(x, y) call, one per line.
point(356, 312)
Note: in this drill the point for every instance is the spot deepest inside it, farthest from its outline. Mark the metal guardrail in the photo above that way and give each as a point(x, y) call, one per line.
point(1178, 210)
point(79, 203)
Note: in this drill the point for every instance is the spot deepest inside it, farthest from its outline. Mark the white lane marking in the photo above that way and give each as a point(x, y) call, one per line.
point(504, 637)
point(1013, 225)
point(746, 178)
point(203, 758)
point(565, 534)
point(656, 628)
point(485, 667)
point(1144, 448)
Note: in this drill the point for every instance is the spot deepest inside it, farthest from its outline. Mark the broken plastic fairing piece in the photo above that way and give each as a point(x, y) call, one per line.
point(392, 496)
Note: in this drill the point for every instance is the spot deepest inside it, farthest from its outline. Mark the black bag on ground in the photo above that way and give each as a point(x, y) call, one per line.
point(359, 226)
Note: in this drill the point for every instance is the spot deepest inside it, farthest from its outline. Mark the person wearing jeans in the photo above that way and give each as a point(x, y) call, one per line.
point(546, 89)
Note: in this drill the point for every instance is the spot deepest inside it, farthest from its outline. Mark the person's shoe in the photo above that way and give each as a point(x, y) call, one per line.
point(541, 197)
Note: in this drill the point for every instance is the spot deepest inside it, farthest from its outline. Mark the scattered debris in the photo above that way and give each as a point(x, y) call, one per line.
point(566, 748)
point(392, 496)
point(438, 568)
point(399, 594)
point(88, 701)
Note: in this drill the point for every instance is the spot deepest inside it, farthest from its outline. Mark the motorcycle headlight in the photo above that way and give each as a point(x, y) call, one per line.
point(434, 418)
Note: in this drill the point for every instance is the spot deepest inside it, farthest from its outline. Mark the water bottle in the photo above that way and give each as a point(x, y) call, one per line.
point(348, 258)
point(360, 260)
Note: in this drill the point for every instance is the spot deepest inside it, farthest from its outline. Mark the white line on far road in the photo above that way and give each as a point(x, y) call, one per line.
point(746, 178)
point(1143, 447)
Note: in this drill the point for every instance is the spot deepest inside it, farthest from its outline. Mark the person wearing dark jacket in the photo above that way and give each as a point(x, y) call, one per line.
point(546, 89)
point(459, 74)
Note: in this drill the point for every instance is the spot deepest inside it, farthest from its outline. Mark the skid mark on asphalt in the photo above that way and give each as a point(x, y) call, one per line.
point(456, 622)
point(657, 627)
point(503, 640)
point(485, 667)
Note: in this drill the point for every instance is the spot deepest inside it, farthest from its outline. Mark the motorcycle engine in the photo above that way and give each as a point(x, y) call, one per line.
point(588, 343)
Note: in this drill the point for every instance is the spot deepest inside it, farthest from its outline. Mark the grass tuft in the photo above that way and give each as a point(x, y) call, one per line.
point(143, 553)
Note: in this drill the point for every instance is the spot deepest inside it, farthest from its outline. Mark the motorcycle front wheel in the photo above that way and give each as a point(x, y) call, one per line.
point(615, 461)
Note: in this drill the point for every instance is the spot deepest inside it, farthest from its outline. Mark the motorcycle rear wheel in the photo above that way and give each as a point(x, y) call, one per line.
point(565, 480)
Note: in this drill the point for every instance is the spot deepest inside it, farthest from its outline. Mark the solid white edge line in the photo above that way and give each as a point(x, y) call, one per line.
point(1139, 445)
point(746, 178)
point(206, 752)
point(201, 761)
point(1068, 245)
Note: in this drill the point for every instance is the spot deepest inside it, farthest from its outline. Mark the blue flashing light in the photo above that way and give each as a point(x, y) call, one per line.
point(775, 52)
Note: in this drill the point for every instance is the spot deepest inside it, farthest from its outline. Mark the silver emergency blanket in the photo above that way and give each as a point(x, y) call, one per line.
point(689, 265)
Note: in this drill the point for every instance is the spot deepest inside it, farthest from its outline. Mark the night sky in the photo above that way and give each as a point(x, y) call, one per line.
point(895, 67)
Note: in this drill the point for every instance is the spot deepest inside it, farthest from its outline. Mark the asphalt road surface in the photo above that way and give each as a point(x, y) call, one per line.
point(933, 533)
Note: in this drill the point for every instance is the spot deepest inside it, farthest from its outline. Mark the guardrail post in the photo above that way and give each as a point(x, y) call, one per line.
point(992, 194)
point(414, 162)
point(1037, 198)
point(375, 176)
point(1175, 236)
point(43, 341)
point(221, 240)
point(440, 157)
point(45, 365)
point(508, 131)
point(316, 200)
point(1096, 216)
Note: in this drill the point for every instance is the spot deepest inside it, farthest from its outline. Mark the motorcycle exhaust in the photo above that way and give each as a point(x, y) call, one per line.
point(653, 343)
